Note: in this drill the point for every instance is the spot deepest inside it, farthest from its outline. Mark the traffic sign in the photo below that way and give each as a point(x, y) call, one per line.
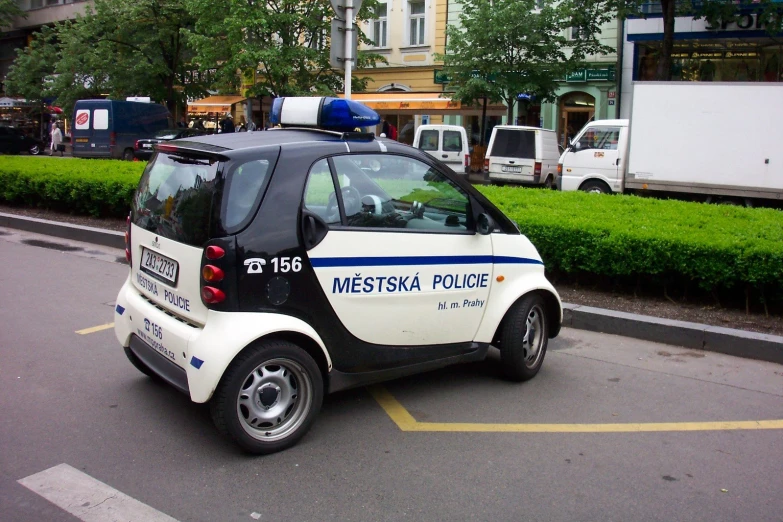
point(337, 51)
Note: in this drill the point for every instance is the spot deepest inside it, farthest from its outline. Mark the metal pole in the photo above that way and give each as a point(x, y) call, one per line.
point(348, 46)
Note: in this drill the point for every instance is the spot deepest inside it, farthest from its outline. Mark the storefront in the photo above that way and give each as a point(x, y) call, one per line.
point(407, 110)
point(586, 94)
point(33, 119)
point(736, 51)
point(212, 109)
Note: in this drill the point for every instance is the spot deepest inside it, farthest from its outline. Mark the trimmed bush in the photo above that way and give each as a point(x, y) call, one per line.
point(101, 188)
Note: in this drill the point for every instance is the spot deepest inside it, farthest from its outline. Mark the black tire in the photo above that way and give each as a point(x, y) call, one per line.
point(34, 150)
point(596, 187)
point(143, 368)
point(268, 397)
point(521, 357)
point(127, 154)
point(550, 183)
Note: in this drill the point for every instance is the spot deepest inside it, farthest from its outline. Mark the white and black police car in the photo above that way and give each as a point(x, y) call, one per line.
point(270, 268)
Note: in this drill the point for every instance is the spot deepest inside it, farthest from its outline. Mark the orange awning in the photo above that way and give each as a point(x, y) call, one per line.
point(417, 103)
point(214, 104)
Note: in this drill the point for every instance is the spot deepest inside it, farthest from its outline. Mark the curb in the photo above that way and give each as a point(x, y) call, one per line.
point(750, 345)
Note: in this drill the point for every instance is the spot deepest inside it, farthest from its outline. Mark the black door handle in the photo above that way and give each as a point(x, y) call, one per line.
point(444, 156)
point(313, 229)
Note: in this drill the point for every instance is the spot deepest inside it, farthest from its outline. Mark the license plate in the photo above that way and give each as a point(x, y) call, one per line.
point(506, 168)
point(82, 140)
point(146, 145)
point(158, 266)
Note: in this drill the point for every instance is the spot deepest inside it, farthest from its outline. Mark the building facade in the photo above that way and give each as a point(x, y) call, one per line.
point(737, 51)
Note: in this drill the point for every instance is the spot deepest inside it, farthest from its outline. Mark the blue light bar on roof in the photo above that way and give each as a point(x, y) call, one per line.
point(324, 113)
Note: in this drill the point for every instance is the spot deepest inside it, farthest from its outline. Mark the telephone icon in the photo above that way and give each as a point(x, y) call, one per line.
point(254, 265)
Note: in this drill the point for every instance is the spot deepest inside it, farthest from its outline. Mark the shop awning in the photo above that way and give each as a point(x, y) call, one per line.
point(214, 104)
point(418, 103)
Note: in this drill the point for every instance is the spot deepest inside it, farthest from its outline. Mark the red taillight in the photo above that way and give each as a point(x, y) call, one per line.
point(214, 252)
point(467, 160)
point(128, 241)
point(136, 145)
point(537, 168)
point(212, 274)
point(486, 163)
point(212, 295)
point(112, 138)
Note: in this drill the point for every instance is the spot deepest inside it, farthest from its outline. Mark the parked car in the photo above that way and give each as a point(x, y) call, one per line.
point(143, 148)
point(269, 268)
point(14, 141)
point(519, 154)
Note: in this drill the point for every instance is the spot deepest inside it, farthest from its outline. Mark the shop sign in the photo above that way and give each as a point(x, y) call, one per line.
point(743, 21)
point(440, 77)
point(584, 75)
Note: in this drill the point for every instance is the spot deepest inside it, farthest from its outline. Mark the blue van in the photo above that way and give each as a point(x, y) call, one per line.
point(110, 128)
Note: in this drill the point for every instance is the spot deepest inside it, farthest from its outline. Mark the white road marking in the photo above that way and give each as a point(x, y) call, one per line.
point(88, 499)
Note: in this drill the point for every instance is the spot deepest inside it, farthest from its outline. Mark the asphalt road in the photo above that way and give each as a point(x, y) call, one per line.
point(455, 444)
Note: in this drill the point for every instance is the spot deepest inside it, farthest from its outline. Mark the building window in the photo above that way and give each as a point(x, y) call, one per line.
point(417, 20)
point(380, 26)
point(576, 33)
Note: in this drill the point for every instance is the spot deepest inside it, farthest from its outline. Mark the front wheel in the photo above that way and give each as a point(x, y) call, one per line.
point(34, 150)
point(523, 338)
point(596, 187)
point(269, 397)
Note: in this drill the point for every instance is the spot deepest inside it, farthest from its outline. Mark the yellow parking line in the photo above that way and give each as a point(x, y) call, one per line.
point(406, 422)
point(95, 329)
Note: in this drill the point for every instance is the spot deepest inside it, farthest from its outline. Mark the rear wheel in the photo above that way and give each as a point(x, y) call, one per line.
point(523, 338)
point(127, 155)
point(596, 187)
point(34, 150)
point(550, 182)
point(269, 397)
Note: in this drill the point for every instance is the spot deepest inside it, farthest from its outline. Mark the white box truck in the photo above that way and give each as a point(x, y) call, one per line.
point(704, 141)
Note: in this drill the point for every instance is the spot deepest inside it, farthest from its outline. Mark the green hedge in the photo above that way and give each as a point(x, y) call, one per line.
point(712, 246)
point(102, 188)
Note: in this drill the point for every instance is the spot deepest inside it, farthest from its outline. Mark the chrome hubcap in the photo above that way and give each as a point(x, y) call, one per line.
point(274, 399)
point(534, 336)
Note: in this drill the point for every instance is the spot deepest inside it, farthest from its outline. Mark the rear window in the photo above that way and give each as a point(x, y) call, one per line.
point(428, 140)
point(514, 144)
point(452, 141)
point(175, 198)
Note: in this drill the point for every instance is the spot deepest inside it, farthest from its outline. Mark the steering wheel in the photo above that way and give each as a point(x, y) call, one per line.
point(352, 200)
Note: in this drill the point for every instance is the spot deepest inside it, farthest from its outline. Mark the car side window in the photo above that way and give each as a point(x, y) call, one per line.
point(398, 192)
point(246, 181)
point(604, 138)
point(320, 197)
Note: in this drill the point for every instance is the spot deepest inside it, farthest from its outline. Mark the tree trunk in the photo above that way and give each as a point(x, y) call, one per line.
point(483, 121)
point(510, 114)
point(664, 72)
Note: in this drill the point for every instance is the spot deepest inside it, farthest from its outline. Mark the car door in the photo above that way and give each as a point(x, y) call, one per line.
point(401, 264)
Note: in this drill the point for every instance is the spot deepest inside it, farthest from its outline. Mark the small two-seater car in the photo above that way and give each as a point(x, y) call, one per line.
point(270, 268)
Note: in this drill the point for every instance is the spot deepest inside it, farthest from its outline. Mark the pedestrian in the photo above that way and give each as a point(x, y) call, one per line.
point(241, 126)
point(251, 125)
point(227, 123)
point(183, 123)
point(199, 125)
point(57, 140)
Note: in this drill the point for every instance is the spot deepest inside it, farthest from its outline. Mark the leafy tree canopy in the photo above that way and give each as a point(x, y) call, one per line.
point(502, 48)
point(117, 48)
point(9, 10)
point(286, 41)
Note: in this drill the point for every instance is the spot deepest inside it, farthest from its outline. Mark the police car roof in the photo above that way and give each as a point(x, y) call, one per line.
point(284, 136)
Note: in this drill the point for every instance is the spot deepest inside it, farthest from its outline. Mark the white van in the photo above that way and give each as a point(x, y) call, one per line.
point(446, 143)
point(518, 154)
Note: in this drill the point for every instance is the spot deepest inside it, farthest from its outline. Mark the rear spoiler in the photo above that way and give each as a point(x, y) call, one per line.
point(193, 148)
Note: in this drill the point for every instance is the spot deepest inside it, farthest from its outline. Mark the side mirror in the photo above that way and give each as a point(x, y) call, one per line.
point(485, 224)
point(576, 145)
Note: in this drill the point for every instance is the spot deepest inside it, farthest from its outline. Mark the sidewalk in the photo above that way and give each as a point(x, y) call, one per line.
point(739, 343)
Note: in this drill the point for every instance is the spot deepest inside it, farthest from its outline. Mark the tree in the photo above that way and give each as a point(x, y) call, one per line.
point(9, 10)
point(118, 48)
point(715, 12)
point(287, 41)
point(503, 48)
